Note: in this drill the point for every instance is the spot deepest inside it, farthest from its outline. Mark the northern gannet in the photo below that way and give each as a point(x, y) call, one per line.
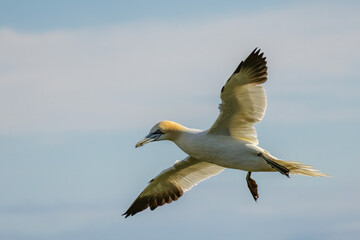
point(230, 143)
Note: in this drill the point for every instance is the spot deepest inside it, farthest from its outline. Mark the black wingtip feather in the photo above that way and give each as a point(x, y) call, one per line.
point(255, 58)
point(257, 62)
point(142, 202)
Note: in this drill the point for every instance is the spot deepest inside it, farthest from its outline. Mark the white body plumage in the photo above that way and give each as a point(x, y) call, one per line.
point(224, 151)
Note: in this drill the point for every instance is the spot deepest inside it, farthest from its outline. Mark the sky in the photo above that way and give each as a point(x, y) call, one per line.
point(82, 81)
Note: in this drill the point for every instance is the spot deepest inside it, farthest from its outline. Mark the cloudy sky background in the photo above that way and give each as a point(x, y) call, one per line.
point(81, 82)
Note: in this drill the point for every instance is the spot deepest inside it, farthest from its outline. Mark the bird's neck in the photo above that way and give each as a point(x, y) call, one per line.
point(188, 138)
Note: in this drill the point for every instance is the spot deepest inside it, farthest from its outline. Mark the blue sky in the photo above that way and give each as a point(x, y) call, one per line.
point(82, 81)
point(45, 15)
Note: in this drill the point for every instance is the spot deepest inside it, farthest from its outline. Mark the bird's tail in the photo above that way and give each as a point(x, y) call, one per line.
point(296, 168)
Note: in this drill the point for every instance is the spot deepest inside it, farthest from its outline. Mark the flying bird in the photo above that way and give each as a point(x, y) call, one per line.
point(231, 142)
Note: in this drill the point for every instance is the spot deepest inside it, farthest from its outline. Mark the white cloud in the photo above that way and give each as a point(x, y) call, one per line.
point(136, 74)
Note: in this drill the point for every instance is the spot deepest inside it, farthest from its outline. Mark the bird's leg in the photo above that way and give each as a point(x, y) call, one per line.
point(283, 170)
point(252, 186)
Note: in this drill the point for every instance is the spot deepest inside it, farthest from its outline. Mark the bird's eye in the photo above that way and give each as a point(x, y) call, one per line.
point(158, 132)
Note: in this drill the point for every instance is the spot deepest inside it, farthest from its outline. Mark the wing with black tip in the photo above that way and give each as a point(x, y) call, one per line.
point(243, 100)
point(171, 184)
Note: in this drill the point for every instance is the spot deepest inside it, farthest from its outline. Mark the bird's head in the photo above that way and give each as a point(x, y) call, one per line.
point(164, 130)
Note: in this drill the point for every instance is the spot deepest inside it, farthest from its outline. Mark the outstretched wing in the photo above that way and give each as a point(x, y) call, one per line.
point(243, 100)
point(171, 183)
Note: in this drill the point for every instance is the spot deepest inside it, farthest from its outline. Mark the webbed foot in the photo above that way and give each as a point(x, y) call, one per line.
point(252, 186)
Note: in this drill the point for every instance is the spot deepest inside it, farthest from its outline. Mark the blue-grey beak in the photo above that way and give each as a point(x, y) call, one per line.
point(149, 138)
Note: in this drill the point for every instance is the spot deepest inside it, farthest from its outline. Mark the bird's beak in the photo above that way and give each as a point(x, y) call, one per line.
point(149, 138)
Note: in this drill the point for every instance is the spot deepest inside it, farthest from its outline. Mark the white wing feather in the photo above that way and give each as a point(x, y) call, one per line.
point(171, 183)
point(243, 100)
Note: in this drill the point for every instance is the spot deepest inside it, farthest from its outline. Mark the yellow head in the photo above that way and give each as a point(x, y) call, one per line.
point(164, 130)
